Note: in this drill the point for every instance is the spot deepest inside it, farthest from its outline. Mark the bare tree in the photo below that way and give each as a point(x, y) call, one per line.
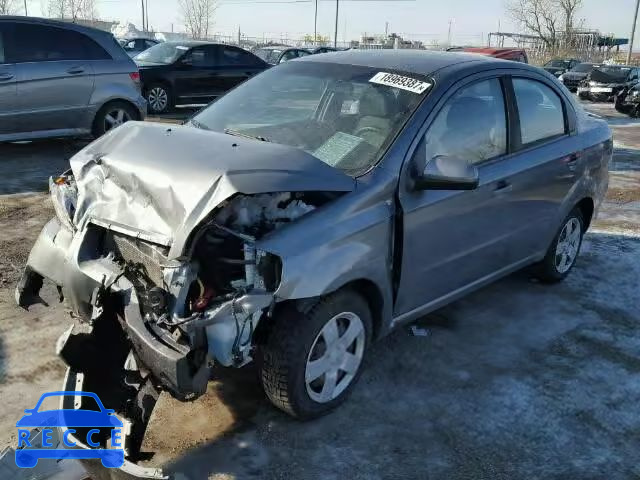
point(72, 9)
point(547, 19)
point(198, 16)
point(8, 7)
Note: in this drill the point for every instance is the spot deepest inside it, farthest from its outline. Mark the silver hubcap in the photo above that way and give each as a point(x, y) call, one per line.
point(115, 118)
point(335, 356)
point(568, 245)
point(157, 99)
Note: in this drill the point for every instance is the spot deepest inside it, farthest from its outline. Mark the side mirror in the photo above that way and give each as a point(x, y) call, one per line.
point(447, 173)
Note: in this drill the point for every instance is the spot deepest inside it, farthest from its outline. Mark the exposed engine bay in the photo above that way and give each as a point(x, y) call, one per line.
point(169, 271)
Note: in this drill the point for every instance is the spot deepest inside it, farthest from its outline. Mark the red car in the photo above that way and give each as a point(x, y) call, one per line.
point(515, 54)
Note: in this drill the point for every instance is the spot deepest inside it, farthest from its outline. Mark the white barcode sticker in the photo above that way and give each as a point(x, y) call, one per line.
point(399, 81)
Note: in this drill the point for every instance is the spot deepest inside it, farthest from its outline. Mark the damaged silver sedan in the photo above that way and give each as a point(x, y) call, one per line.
point(305, 214)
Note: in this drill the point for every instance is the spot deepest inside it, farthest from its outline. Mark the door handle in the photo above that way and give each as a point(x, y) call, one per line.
point(572, 161)
point(5, 76)
point(502, 186)
point(75, 70)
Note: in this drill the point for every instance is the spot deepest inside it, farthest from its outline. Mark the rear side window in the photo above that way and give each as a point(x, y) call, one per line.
point(235, 56)
point(540, 110)
point(471, 126)
point(39, 43)
point(1, 46)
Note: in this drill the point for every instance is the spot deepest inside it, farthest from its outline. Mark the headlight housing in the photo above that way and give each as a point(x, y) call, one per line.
point(64, 196)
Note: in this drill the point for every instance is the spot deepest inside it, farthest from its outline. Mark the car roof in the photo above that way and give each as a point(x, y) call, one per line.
point(421, 62)
point(53, 23)
point(190, 43)
point(491, 50)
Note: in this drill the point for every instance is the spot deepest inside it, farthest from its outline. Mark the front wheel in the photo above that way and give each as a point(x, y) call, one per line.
point(563, 251)
point(311, 360)
point(158, 98)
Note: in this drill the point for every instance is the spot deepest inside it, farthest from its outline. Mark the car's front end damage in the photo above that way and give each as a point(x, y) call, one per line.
point(162, 261)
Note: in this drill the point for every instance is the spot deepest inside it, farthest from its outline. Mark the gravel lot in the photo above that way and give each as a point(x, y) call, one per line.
point(518, 380)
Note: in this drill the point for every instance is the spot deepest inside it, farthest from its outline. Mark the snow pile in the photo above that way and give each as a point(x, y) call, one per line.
point(125, 30)
point(170, 36)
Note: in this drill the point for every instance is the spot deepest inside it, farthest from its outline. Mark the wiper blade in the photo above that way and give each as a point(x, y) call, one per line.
point(236, 133)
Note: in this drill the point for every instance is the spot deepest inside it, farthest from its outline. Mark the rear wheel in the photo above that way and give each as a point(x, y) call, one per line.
point(563, 251)
point(113, 115)
point(311, 360)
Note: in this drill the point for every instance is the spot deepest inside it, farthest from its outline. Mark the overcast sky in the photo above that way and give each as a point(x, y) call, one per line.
point(422, 19)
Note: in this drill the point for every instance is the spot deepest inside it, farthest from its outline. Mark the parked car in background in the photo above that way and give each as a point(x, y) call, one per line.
point(604, 83)
point(276, 55)
point(514, 54)
point(181, 73)
point(325, 49)
point(559, 66)
point(134, 46)
point(628, 100)
point(60, 79)
point(573, 77)
point(307, 213)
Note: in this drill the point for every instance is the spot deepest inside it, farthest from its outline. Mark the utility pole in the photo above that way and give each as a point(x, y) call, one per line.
point(142, 4)
point(146, 14)
point(335, 34)
point(449, 35)
point(386, 29)
point(633, 33)
point(315, 26)
point(26, 13)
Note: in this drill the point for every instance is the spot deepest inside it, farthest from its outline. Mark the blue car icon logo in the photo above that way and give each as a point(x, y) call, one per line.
point(67, 421)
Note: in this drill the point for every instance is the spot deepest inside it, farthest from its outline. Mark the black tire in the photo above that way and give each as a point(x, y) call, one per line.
point(282, 358)
point(549, 270)
point(101, 125)
point(153, 91)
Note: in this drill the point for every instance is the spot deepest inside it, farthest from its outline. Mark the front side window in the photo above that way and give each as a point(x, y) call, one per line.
point(540, 111)
point(471, 126)
point(331, 111)
point(38, 43)
point(163, 53)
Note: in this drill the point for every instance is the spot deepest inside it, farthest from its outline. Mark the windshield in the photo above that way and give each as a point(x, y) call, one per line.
point(338, 113)
point(583, 68)
point(162, 53)
point(558, 63)
point(269, 55)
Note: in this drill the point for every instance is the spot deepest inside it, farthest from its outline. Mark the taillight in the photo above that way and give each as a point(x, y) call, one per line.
point(135, 76)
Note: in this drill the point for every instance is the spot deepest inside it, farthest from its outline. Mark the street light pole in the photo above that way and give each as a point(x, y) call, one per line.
point(142, 3)
point(315, 26)
point(26, 13)
point(335, 35)
point(633, 32)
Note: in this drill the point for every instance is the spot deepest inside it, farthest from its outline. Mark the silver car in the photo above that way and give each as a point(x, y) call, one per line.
point(307, 213)
point(60, 79)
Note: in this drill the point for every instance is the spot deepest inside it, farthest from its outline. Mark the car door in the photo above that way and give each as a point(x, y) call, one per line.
point(196, 76)
point(457, 240)
point(8, 88)
point(54, 76)
point(452, 239)
point(236, 65)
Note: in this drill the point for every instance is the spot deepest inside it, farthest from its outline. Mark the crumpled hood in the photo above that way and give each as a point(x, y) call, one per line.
point(164, 180)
